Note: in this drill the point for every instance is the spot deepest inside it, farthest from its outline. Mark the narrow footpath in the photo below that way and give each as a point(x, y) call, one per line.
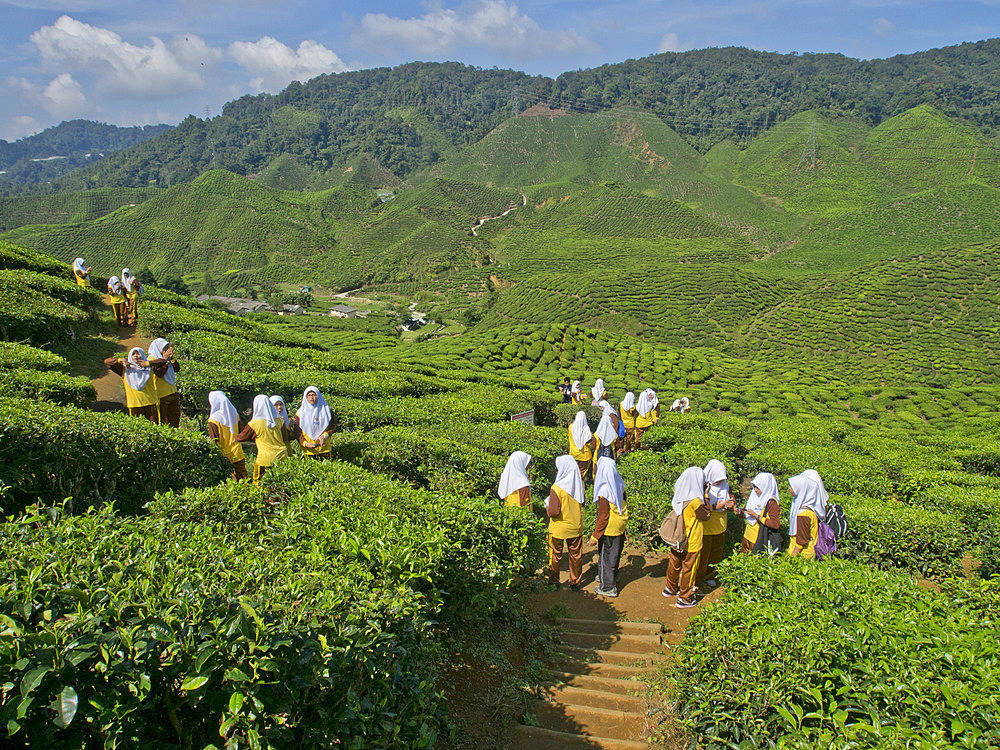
point(596, 695)
point(110, 393)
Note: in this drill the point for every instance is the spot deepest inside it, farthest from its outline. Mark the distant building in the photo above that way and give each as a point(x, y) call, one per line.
point(343, 311)
point(237, 305)
point(413, 324)
point(292, 310)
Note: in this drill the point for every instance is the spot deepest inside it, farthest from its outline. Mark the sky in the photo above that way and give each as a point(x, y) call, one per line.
point(135, 62)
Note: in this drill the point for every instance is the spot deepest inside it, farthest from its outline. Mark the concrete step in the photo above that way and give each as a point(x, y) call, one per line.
point(638, 644)
point(589, 655)
point(535, 738)
point(600, 669)
point(609, 626)
point(602, 699)
point(596, 682)
point(586, 720)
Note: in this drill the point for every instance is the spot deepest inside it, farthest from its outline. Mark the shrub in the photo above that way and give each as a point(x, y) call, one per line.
point(22, 356)
point(55, 452)
point(799, 654)
point(47, 386)
point(16, 257)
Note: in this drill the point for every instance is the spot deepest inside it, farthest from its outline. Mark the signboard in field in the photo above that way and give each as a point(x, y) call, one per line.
point(528, 417)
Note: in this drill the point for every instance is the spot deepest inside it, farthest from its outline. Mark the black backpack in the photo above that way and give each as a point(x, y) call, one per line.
point(836, 519)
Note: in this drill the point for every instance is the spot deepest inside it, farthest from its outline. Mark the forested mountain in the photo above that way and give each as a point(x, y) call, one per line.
point(405, 119)
point(66, 146)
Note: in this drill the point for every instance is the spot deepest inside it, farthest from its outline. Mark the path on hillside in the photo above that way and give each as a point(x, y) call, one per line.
point(110, 393)
point(596, 696)
point(524, 202)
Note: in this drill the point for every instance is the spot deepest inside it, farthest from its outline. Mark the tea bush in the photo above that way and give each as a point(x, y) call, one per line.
point(46, 386)
point(51, 453)
point(22, 356)
point(835, 654)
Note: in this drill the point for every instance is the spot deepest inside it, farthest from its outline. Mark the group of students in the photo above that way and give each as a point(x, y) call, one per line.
point(124, 292)
point(695, 529)
point(150, 382)
point(273, 430)
point(619, 431)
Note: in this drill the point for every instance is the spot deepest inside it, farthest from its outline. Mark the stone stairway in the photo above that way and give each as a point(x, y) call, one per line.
point(593, 697)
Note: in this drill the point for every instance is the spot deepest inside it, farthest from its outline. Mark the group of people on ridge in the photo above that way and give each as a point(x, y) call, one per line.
point(124, 292)
point(150, 382)
point(619, 431)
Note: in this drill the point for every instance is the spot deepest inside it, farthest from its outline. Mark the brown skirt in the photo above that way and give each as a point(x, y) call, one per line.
point(147, 412)
point(169, 410)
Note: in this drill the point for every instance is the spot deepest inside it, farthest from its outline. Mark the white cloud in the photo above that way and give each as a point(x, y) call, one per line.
point(121, 68)
point(883, 28)
point(63, 96)
point(495, 24)
point(670, 43)
point(21, 126)
point(274, 65)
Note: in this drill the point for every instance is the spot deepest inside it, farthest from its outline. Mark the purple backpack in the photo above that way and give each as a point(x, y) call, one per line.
point(826, 541)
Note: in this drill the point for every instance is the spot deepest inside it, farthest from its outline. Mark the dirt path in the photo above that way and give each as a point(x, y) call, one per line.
point(110, 394)
point(524, 202)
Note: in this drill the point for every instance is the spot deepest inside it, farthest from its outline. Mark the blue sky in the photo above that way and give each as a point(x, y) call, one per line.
point(137, 62)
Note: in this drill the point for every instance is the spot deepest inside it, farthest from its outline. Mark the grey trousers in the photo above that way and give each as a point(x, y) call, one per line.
point(609, 553)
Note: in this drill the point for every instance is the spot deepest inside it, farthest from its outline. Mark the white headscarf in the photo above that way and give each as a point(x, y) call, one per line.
point(810, 494)
point(606, 431)
point(135, 375)
point(568, 478)
point(628, 403)
point(647, 402)
point(313, 419)
point(515, 474)
point(608, 483)
point(80, 265)
point(685, 403)
point(222, 411)
point(689, 486)
point(264, 409)
point(676, 405)
point(768, 487)
point(127, 279)
point(156, 352)
point(114, 285)
point(279, 400)
point(607, 408)
point(576, 387)
point(715, 471)
point(598, 390)
point(580, 430)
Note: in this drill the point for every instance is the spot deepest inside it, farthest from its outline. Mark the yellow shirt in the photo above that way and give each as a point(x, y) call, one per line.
point(616, 521)
point(809, 551)
point(577, 398)
point(580, 454)
point(146, 397)
point(752, 530)
point(116, 299)
point(627, 419)
point(717, 523)
point(162, 387)
point(229, 447)
point(693, 528)
point(81, 280)
point(513, 500)
point(319, 450)
point(270, 444)
point(569, 523)
point(642, 422)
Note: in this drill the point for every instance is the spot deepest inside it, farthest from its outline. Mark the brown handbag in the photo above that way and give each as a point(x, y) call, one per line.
point(672, 532)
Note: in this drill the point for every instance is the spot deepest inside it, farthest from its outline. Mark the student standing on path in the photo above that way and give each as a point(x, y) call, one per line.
point(132, 291)
point(564, 508)
point(576, 394)
point(720, 501)
point(268, 432)
point(628, 413)
point(761, 510)
point(294, 433)
point(223, 427)
point(137, 378)
point(81, 272)
point(165, 369)
point(606, 435)
point(809, 499)
point(515, 487)
point(609, 529)
point(598, 392)
point(689, 504)
point(316, 422)
point(648, 408)
point(581, 443)
point(116, 292)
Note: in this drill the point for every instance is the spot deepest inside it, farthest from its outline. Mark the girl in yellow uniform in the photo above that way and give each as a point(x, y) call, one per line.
point(316, 423)
point(223, 427)
point(606, 435)
point(609, 529)
point(116, 293)
point(81, 272)
point(565, 512)
point(290, 424)
point(165, 369)
point(689, 504)
point(581, 443)
point(809, 500)
point(648, 413)
point(137, 378)
point(628, 413)
point(132, 291)
point(515, 487)
point(598, 392)
point(576, 394)
point(268, 432)
point(720, 501)
point(761, 510)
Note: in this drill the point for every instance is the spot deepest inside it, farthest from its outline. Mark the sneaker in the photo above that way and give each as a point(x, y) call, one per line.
point(711, 583)
point(667, 592)
point(611, 593)
point(685, 604)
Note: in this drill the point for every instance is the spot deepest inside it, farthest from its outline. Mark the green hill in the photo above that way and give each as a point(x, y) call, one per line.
point(67, 208)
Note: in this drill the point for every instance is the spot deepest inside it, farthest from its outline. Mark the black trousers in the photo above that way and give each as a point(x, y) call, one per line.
point(609, 554)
